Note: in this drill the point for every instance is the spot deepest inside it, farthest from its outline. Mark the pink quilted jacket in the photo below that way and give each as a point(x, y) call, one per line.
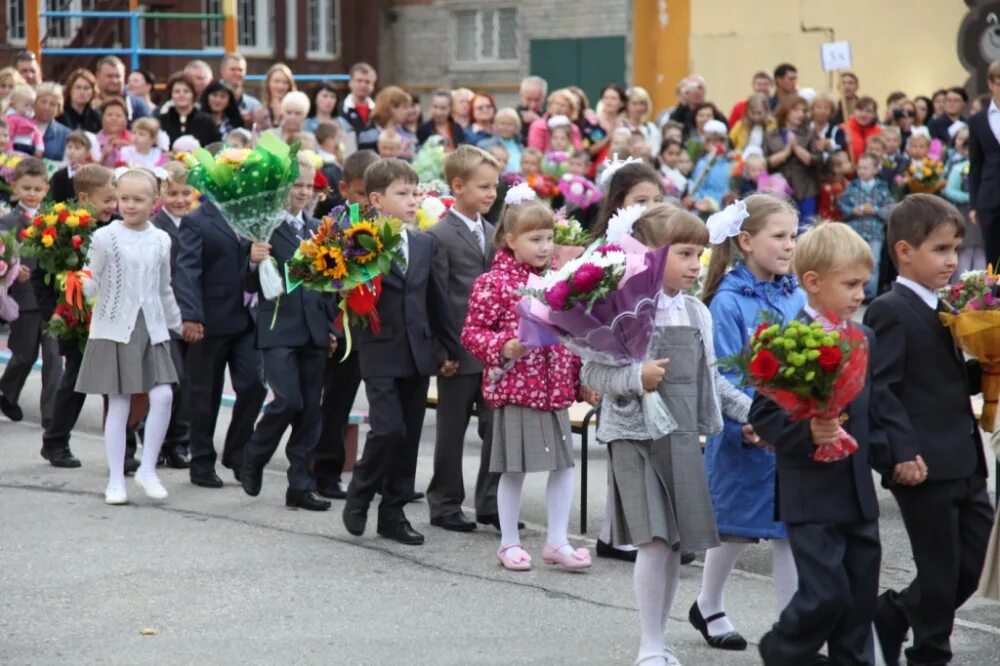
point(546, 378)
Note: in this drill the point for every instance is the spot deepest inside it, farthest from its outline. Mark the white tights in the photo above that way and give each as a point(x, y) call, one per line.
point(558, 502)
point(657, 571)
point(119, 406)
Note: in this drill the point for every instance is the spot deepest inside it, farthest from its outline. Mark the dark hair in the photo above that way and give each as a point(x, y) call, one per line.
point(146, 75)
point(784, 69)
point(622, 182)
point(939, 91)
point(357, 163)
point(181, 77)
point(326, 86)
point(619, 89)
point(115, 101)
point(866, 101)
point(960, 91)
point(895, 96)
point(23, 56)
point(706, 105)
point(3, 124)
point(380, 175)
point(761, 74)
point(232, 110)
point(79, 137)
point(916, 217)
point(667, 143)
point(30, 166)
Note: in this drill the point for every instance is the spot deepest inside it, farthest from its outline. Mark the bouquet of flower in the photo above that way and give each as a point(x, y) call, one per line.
point(250, 188)
point(10, 264)
point(429, 160)
point(58, 237)
point(348, 255)
point(926, 175)
point(809, 371)
point(545, 186)
point(71, 319)
point(7, 163)
point(570, 239)
point(579, 191)
point(555, 162)
point(975, 299)
point(434, 202)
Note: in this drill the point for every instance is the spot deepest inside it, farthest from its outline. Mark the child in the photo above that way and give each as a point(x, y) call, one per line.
point(918, 147)
point(741, 477)
point(464, 252)
point(749, 131)
point(329, 146)
point(531, 429)
point(390, 144)
point(499, 153)
point(143, 152)
point(710, 179)
point(830, 509)
point(838, 166)
point(507, 126)
point(128, 351)
point(972, 255)
point(294, 348)
point(660, 494)
point(861, 127)
point(627, 185)
point(238, 138)
point(638, 146)
point(578, 163)
point(670, 155)
point(673, 130)
point(559, 149)
point(78, 153)
point(114, 135)
point(22, 130)
point(754, 166)
point(531, 162)
point(922, 384)
point(396, 365)
point(865, 206)
point(27, 332)
point(685, 165)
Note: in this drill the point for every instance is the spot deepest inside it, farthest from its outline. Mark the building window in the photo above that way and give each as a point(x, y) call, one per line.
point(323, 28)
point(55, 31)
point(485, 35)
point(254, 26)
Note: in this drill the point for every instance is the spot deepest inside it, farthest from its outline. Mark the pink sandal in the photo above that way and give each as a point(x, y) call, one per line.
point(521, 562)
point(577, 560)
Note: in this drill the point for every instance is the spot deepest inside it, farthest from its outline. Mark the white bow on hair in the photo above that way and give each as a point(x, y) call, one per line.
point(559, 121)
point(622, 221)
point(519, 194)
point(727, 222)
point(611, 168)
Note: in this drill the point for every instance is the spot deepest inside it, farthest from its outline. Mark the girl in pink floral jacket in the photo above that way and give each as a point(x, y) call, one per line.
point(530, 389)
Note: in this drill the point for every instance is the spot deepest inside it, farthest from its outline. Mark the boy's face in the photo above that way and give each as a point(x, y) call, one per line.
point(104, 199)
point(675, 134)
point(399, 200)
point(682, 267)
point(76, 153)
point(684, 163)
point(918, 149)
point(353, 191)
point(867, 169)
point(934, 261)
point(839, 293)
point(30, 190)
point(142, 139)
point(389, 149)
point(478, 192)
point(530, 164)
point(876, 148)
point(577, 166)
point(559, 141)
point(330, 145)
point(892, 143)
point(177, 197)
point(302, 190)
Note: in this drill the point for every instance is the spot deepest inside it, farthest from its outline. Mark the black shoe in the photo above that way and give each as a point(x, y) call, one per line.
point(610, 552)
point(355, 518)
point(333, 490)
point(206, 479)
point(688, 557)
point(131, 465)
point(415, 497)
point(62, 457)
point(889, 631)
point(728, 641)
point(305, 499)
point(177, 458)
point(402, 532)
point(251, 478)
point(494, 520)
point(456, 522)
point(10, 409)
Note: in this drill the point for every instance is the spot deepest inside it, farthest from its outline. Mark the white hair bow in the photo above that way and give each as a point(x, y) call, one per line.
point(519, 194)
point(921, 131)
point(559, 121)
point(727, 222)
point(622, 221)
point(611, 168)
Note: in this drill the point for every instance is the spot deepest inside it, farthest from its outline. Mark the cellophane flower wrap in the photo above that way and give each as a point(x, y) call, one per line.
point(58, 238)
point(7, 163)
point(250, 188)
point(809, 371)
point(925, 175)
point(602, 306)
point(975, 326)
point(10, 265)
point(71, 319)
point(570, 239)
point(348, 255)
point(429, 160)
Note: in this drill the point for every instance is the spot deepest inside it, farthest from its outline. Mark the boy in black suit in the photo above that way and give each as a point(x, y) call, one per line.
point(922, 386)
point(78, 148)
point(984, 170)
point(830, 508)
point(396, 364)
point(294, 351)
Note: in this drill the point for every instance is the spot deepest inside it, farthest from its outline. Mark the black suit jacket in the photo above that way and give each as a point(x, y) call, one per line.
point(22, 292)
point(415, 314)
point(209, 280)
point(305, 316)
point(163, 222)
point(922, 386)
point(199, 125)
point(61, 186)
point(984, 164)
point(815, 492)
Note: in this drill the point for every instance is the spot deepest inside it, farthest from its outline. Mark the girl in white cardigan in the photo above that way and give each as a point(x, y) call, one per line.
point(128, 350)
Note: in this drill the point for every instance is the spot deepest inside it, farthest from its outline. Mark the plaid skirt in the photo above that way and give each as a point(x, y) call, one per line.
point(114, 368)
point(529, 440)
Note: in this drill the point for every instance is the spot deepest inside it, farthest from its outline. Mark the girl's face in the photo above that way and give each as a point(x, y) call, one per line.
point(137, 85)
point(559, 140)
point(182, 97)
point(769, 252)
point(752, 170)
point(135, 201)
point(864, 116)
point(671, 156)
point(530, 165)
point(637, 108)
point(918, 149)
point(278, 86)
point(796, 116)
point(218, 101)
point(326, 102)
point(505, 127)
point(80, 94)
point(962, 141)
point(840, 165)
point(440, 108)
point(558, 106)
point(643, 193)
point(702, 117)
point(113, 120)
point(482, 111)
point(821, 113)
point(142, 140)
point(682, 268)
point(938, 103)
point(532, 247)
point(756, 115)
point(611, 102)
point(684, 163)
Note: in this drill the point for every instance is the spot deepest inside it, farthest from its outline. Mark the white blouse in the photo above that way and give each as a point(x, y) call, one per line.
point(131, 271)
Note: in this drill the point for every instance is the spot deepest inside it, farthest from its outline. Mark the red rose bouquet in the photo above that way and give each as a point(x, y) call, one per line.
point(809, 371)
point(71, 319)
point(58, 238)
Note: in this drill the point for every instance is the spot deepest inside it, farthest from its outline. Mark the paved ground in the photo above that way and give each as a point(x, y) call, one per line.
point(221, 578)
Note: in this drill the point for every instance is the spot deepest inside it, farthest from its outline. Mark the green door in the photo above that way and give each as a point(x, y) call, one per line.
point(589, 63)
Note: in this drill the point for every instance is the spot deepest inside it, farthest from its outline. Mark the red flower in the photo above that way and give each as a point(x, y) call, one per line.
point(764, 365)
point(63, 215)
point(22, 234)
point(587, 277)
point(38, 221)
point(557, 294)
point(50, 231)
point(84, 221)
point(77, 242)
point(829, 358)
point(760, 329)
point(320, 182)
point(363, 299)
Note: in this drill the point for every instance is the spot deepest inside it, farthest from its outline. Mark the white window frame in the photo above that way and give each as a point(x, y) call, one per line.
point(264, 44)
point(291, 33)
point(73, 24)
point(488, 64)
point(329, 42)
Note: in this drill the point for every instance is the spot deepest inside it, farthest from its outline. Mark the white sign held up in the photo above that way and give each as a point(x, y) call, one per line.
point(835, 55)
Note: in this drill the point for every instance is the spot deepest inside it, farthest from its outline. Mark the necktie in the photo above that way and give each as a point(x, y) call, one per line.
point(477, 231)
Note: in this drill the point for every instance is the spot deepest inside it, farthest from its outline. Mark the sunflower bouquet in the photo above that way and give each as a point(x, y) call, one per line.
point(58, 238)
point(925, 175)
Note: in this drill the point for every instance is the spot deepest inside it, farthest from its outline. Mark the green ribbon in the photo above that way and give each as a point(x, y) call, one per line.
point(290, 285)
point(355, 212)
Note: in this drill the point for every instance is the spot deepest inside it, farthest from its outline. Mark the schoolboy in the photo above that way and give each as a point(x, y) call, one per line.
point(865, 205)
point(78, 153)
point(464, 252)
point(922, 386)
point(397, 363)
point(830, 508)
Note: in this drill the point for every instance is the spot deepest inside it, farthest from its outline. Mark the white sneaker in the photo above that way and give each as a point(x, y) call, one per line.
point(115, 495)
point(668, 654)
point(151, 486)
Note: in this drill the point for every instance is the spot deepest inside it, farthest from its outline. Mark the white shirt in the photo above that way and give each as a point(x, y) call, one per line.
point(175, 220)
point(925, 294)
point(993, 115)
point(671, 310)
point(131, 156)
point(475, 227)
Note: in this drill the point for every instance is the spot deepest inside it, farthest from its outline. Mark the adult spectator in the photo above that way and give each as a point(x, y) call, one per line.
point(848, 86)
point(904, 117)
point(531, 95)
point(391, 105)
point(278, 82)
point(441, 123)
point(861, 126)
point(830, 136)
point(637, 112)
point(49, 105)
point(984, 168)
point(892, 103)
point(597, 128)
point(413, 115)
point(8, 79)
point(183, 117)
point(461, 106)
point(937, 103)
point(356, 110)
point(561, 103)
point(111, 83)
point(26, 65)
point(791, 151)
point(786, 82)
point(140, 83)
point(483, 111)
point(323, 106)
point(692, 97)
point(923, 106)
point(761, 85)
point(201, 73)
point(294, 111)
point(233, 71)
point(219, 103)
point(79, 113)
point(954, 111)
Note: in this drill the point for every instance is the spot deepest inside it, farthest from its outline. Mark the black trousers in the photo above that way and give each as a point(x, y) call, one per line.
point(838, 568)
point(457, 397)
point(990, 221)
point(206, 370)
point(295, 377)
point(388, 464)
point(949, 524)
point(340, 388)
point(26, 340)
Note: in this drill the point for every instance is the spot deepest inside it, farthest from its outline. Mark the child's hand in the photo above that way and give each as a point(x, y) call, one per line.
point(331, 347)
point(824, 431)
point(590, 396)
point(910, 473)
point(259, 252)
point(704, 205)
point(23, 273)
point(513, 349)
point(192, 331)
point(653, 373)
point(750, 436)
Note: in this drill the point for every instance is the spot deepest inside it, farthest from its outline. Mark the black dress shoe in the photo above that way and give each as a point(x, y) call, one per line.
point(890, 632)
point(178, 458)
point(10, 409)
point(61, 457)
point(131, 465)
point(305, 499)
point(206, 479)
point(728, 641)
point(415, 497)
point(494, 520)
point(355, 518)
point(251, 478)
point(687, 557)
point(456, 522)
point(610, 552)
point(402, 532)
point(333, 490)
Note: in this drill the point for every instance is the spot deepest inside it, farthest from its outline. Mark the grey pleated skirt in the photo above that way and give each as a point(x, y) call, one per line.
point(114, 368)
point(660, 491)
point(529, 440)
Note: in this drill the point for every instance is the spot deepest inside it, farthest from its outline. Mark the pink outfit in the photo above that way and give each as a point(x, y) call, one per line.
point(114, 158)
point(23, 131)
point(546, 378)
point(538, 134)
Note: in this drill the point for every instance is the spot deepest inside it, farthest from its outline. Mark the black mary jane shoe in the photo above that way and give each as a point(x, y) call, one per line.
point(612, 553)
point(729, 641)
